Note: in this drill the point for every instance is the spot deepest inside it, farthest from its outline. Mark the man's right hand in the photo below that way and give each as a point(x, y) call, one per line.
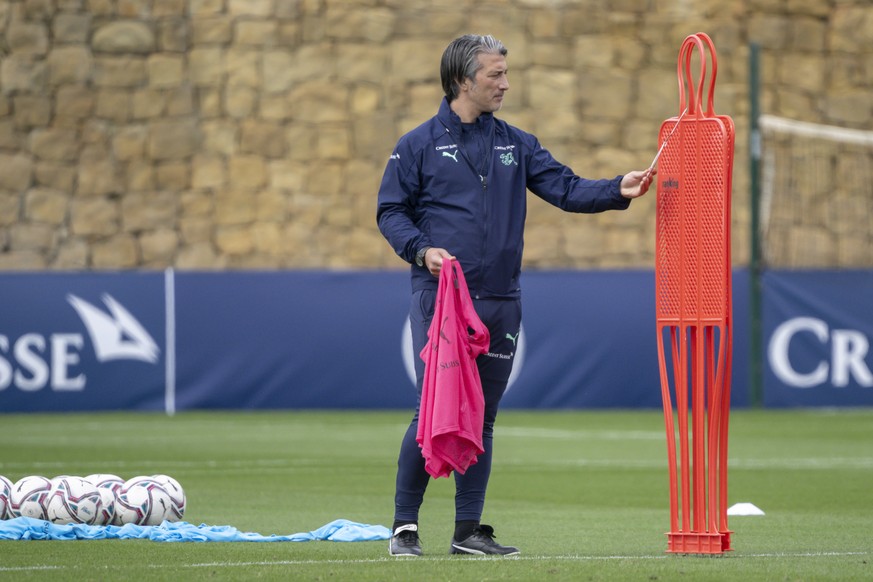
point(433, 260)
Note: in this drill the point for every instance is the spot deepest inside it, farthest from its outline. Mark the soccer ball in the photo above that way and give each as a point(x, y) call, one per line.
point(105, 481)
point(73, 500)
point(142, 501)
point(107, 506)
point(29, 496)
point(177, 496)
point(107, 484)
point(5, 490)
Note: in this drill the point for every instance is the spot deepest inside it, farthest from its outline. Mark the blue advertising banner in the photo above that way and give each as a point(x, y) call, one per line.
point(74, 342)
point(246, 340)
point(291, 340)
point(817, 331)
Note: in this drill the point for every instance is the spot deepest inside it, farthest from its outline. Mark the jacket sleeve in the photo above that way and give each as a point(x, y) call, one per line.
point(396, 204)
point(558, 185)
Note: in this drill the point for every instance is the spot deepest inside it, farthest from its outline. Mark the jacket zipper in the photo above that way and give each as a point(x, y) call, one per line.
point(484, 181)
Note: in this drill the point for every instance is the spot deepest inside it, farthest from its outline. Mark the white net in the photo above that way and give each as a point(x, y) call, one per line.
point(816, 195)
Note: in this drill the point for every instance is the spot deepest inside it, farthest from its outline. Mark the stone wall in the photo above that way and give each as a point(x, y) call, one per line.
point(211, 134)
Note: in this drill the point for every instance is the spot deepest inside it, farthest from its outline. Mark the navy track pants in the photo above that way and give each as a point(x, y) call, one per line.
point(503, 319)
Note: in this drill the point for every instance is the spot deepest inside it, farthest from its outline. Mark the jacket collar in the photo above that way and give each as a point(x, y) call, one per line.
point(450, 120)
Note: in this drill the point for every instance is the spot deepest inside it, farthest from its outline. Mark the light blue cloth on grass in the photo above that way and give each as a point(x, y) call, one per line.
point(340, 530)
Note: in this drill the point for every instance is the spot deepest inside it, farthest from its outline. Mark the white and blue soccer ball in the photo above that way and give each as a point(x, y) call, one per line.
point(5, 491)
point(29, 496)
point(107, 484)
point(177, 496)
point(73, 500)
point(142, 501)
point(105, 481)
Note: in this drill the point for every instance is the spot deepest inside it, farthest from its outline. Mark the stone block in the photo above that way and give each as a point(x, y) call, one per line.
point(255, 33)
point(195, 229)
point(361, 61)
point(173, 175)
point(256, 8)
point(31, 236)
point(56, 175)
point(144, 211)
point(10, 211)
point(11, 138)
point(173, 34)
point(164, 8)
point(219, 137)
point(165, 71)
point(95, 216)
point(54, 144)
point(849, 107)
point(148, 104)
point(234, 240)
point(173, 139)
point(206, 66)
point(114, 104)
point(97, 177)
point(247, 171)
point(71, 28)
point(243, 68)
point(117, 252)
point(286, 175)
point(201, 255)
point(770, 31)
point(851, 27)
point(271, 205)
point(416, 60)
point(234, 207)
point(808, 34)
point(22, 261)
point(180, 101)
point(208, 171)
point(196, 203)
point(267, 238)
point(159, 246)
point(216, 30)
point(27, 38)
point(802, 71)
point(320, 101)
point(274, 107)
point(73, 254)
point(47, 206)
point(373, 24)
point(326, 178)
point(606, 94)
point(73, 104)
point(263, 139)
point(138, 175)
point(31, 111)
point(120, 71)
point(206, 7)
point(333, 142)
point(124, 37)
point(69, 65)
point(23, 73)
point(240, 102)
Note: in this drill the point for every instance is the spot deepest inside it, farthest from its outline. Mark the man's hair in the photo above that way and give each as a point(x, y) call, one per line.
point(461, 60)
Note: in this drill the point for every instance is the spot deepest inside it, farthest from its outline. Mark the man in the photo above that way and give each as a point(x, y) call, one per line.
point(455, 187)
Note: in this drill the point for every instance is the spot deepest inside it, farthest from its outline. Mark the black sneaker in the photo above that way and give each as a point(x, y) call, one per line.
point(482, 543)
point(405, 542)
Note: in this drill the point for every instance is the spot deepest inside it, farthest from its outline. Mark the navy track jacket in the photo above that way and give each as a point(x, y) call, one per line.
point(464, 189)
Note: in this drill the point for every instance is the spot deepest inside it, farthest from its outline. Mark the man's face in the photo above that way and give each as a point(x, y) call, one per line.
point(486, 92)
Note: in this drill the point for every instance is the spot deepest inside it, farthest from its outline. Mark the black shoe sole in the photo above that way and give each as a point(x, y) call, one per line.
point(469, 552)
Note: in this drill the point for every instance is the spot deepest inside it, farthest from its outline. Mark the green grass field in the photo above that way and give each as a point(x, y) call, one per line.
point(583, 494)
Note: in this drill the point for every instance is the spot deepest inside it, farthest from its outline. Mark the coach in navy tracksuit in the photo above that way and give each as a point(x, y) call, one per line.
point(456, 187)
